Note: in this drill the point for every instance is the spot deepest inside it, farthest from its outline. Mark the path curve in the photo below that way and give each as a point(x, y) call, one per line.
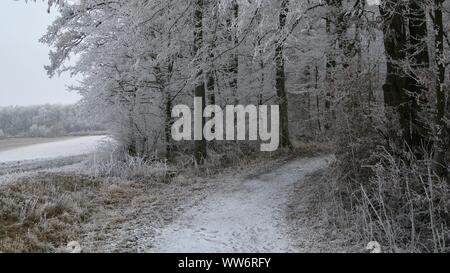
point(245, 215)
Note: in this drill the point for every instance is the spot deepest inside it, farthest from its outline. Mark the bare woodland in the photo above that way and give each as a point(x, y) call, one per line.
point(46, 121)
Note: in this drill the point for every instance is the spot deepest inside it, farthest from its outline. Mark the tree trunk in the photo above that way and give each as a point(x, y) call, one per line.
point(132, 145)
point(395, 43)
point(418, 59)
point(234, 62)
point(211, 75)
point(168, 110)
point(163, 80)
point(281, 79)
point(168, 126)
point(316, 87)
point(210, 85)
point(400, 49)
point(441, 97)
point(199, 145)
point(261, 79)
point(330, 64)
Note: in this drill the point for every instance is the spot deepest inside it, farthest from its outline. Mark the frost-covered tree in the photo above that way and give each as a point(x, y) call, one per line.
point(47, 120)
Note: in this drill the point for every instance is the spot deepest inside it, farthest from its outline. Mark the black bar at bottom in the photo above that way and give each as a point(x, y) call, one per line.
point(216, 262)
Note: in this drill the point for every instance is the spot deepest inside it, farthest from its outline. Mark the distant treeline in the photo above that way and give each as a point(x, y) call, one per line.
point(46, 121)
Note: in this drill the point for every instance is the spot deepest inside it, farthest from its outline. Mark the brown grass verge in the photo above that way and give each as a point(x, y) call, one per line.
point(43, 213)
point(309, 214)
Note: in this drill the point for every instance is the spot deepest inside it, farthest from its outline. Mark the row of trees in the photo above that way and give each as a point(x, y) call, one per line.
point(45, 121)
point(142, 57)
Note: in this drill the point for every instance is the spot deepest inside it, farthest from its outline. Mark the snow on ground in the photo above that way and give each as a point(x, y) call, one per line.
point(66, 148)
point(243, 215)
point(63, 155)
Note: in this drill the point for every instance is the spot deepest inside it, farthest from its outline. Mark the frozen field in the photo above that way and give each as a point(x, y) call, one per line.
point(52, 149)
point(14, 143)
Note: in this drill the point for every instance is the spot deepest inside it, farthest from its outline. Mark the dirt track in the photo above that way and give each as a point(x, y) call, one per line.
point(244, 215)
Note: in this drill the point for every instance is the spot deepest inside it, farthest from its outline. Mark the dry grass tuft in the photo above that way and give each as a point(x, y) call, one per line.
point(44, 212)
point(311, 207)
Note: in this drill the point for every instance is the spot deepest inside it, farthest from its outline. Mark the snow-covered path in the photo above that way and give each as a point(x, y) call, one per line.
point(245, 215)
point(65, 148)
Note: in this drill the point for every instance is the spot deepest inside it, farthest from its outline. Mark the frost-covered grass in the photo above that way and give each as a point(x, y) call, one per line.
point(128, 168)
point(401, 204)
point(44, 212)
point(111, 161)
point(310, 208)
point(41, 212)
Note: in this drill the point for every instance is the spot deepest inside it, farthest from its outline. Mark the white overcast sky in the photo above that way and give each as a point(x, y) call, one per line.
point(23, 80)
